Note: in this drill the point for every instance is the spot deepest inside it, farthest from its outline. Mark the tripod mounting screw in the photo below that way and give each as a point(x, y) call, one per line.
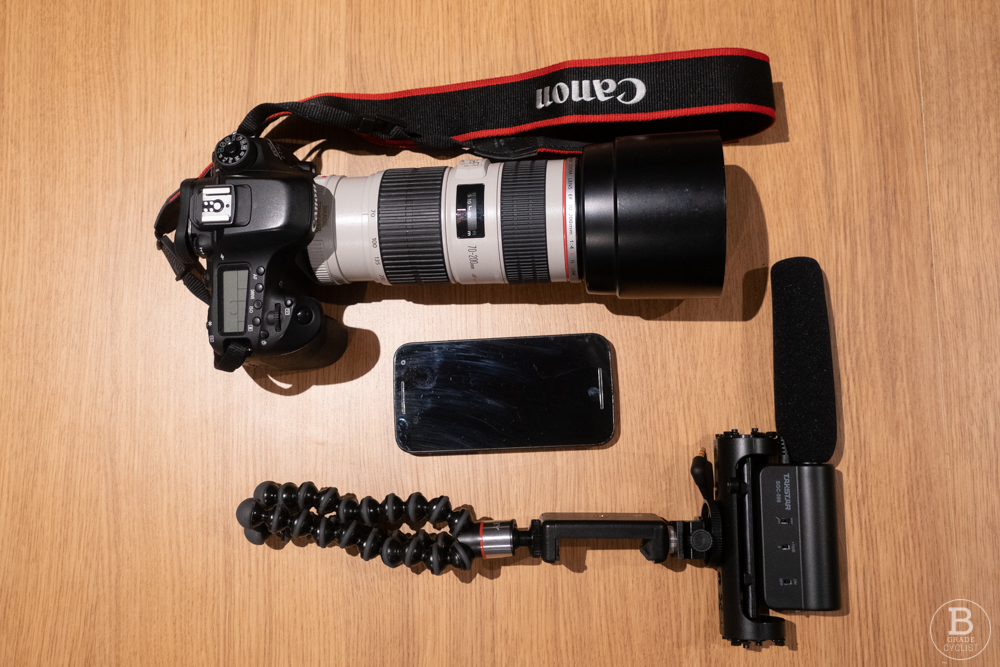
point(701, 540)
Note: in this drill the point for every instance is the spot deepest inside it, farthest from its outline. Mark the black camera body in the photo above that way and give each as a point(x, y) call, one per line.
point(251, 221)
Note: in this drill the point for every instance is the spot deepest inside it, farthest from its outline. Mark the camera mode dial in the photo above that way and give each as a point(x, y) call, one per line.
point(234, 153)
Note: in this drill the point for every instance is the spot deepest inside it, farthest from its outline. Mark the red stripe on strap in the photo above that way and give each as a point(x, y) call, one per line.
point(616, 118)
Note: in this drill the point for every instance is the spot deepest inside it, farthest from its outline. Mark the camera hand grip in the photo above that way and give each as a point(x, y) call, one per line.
point(323, 349)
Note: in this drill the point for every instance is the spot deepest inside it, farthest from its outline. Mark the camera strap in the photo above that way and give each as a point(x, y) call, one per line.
point(553, 110)
point(557, 109)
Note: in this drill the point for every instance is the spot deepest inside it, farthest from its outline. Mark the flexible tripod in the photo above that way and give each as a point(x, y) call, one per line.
point(777, 552)
point(289, 511)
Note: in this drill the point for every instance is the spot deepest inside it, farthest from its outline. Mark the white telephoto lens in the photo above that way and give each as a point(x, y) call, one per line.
point(476, 223)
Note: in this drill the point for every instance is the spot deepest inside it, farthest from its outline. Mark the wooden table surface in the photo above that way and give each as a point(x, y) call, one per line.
point(124, 454)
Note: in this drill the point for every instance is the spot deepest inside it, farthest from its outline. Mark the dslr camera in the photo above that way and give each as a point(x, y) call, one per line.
point(640, 217)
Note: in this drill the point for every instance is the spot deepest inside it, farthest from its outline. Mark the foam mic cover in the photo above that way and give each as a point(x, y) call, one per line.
point(805, 404)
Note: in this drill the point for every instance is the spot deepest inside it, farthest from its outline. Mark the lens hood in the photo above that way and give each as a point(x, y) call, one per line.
point(653, 216)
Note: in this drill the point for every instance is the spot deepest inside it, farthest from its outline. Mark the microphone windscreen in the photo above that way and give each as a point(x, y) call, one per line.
point(805, 403)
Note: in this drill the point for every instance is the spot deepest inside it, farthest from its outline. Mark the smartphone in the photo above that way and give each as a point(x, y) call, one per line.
point(504, 393)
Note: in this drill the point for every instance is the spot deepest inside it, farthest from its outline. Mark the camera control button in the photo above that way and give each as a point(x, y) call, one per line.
point(256, 321)
point(260, 270)
point(203, 245)
point(264, 334)
point(303, 316)
point(288, 303)
point(259, 287)
point(234, 153)
point(472, 170)
point(257, 305)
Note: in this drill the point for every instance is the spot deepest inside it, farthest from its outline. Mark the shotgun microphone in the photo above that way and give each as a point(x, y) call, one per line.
point(805, 403)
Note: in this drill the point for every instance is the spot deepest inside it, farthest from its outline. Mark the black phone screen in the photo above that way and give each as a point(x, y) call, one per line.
point(504, 393)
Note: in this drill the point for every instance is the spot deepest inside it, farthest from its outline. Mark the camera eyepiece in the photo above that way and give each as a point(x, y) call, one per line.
point(640, 217)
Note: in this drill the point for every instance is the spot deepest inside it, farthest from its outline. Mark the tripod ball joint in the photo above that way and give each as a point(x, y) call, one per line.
point(302, 497)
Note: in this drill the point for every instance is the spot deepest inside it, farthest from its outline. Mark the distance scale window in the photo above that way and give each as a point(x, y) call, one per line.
point(233, 299)
point(469, 200)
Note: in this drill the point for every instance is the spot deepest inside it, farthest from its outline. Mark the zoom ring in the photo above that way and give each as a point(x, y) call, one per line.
point(409, 226)
point(522, 222)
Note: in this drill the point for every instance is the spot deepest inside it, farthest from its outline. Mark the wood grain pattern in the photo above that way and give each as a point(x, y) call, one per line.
point(124, 454)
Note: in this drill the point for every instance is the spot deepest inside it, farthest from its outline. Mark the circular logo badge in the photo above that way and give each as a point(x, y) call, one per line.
point(960, 629)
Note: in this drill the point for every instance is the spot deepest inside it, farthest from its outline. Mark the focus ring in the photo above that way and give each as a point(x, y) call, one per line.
point(409, 226)
point(522, 222)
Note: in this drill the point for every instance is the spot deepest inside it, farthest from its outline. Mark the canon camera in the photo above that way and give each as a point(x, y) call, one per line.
point(640, 217)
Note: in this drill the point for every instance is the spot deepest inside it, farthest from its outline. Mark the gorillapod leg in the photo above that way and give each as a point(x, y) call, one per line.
point(289, 511)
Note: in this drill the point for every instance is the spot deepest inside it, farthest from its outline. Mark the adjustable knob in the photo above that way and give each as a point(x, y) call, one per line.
point(701, 540)
point(273, 317)
point(203, 245)
point(234, 153)
point(701, 472)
